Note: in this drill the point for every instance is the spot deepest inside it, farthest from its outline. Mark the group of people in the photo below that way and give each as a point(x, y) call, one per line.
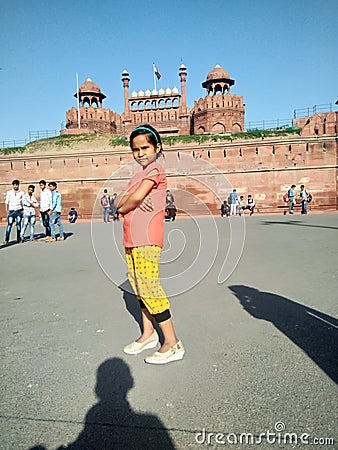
point(291, 198)
point(109, 206)
point(110, 209)
point(22, 207)
point(236, 205)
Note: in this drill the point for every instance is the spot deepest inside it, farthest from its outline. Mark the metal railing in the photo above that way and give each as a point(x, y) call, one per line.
point(268, 124)
point(310, 111)
point(33, 136)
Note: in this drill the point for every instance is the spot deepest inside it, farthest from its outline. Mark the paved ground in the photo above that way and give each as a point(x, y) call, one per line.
point(261, 348)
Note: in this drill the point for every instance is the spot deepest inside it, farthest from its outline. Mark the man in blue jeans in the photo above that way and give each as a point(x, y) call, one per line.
point(14, 208)
point(55, 214)
point(291, 195)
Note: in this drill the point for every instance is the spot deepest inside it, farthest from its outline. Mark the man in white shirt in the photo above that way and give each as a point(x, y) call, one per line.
point(14, 209)
point(45, 205)
point(29, 214)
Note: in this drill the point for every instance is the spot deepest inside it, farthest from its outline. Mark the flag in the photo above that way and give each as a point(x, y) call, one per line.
point(157, 72)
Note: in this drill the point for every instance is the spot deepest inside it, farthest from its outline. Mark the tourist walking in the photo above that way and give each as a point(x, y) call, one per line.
point(143, 241)
point(14, 210)
point(29, 214)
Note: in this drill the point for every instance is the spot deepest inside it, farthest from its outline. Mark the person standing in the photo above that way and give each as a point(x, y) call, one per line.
point(105, 203)
point(55, 213)
point(14, 209)
point(233, 200)
point(29, 214)
point(113, 207)
point(143, 228)
point(291, 196)
point(169, 198)
point(304, 198)
point(45, 205)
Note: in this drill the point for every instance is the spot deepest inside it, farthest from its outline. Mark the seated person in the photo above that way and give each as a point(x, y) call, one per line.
point(250, 205)
point(241, 205)
point(170, 212)
point(72, 215)
point(225, 209)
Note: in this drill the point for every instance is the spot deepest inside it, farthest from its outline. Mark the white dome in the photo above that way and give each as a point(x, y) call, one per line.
point(134, 94)
point(147, 92)
point(168, 91)
point(154, 92)
point(161, 91)
point(175, 90)
point(182, 67)
point(125, 72)
point(140, 93)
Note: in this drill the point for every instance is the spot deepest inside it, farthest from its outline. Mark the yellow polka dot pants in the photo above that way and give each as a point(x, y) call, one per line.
point(143, 274)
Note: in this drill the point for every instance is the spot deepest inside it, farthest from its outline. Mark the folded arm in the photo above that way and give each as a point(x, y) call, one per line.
point(131, 201)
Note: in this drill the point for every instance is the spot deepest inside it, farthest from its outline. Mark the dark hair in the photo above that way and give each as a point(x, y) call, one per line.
point(302, 185)
point(43, 182)
point(293, 186)
point(17, 182)
point(31, 186)
point(52, 183)
point(152, 135)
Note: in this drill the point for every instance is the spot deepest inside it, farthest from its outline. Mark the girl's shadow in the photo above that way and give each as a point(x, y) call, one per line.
point(133, 307)
point(314, 332)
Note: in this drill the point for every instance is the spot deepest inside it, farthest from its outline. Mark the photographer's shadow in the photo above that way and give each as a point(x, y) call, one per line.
point(314, 332)
point(111, 424)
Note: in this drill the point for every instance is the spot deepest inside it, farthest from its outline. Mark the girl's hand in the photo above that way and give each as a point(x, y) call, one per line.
point(146, 205)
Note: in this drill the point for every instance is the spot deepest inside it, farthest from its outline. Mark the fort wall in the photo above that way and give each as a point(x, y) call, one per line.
point(197, 174)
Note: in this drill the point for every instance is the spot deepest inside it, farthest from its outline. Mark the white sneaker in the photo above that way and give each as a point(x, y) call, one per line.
point(174, 354)
point(137, 347)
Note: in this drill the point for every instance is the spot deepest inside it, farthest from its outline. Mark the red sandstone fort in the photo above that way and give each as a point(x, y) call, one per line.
point(201, 175)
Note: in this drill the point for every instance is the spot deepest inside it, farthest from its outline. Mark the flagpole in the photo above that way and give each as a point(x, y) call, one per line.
point(78, 101)
point(154, 77)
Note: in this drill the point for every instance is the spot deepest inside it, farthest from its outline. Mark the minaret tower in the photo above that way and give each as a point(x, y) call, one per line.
point(125, 81)
point(183, 79)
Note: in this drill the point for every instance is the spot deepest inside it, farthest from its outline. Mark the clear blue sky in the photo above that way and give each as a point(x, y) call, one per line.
point(282, 54)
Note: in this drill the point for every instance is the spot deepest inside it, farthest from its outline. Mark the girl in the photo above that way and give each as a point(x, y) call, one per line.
point(143, 228)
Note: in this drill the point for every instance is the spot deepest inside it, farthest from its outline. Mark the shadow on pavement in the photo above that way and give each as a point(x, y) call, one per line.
point(297, 223)
point(314, 332)
point(133, 307)
point(111, 424)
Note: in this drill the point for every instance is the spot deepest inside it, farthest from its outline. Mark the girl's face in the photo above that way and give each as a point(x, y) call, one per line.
point(143, 151)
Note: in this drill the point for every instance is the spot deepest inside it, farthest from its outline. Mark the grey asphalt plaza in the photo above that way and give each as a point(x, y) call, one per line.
point(259, 327)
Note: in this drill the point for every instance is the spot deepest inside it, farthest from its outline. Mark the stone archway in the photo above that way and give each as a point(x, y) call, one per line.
point(218, 128)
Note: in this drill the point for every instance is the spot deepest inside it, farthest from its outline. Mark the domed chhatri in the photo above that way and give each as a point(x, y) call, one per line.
point(89, 86)
point(217, 73)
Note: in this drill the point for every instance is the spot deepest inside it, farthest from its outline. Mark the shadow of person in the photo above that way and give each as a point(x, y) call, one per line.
point(133, 307)
point(111, 424)
point(314, 332)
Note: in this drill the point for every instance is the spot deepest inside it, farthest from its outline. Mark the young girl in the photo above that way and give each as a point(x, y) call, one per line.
point(143, 228)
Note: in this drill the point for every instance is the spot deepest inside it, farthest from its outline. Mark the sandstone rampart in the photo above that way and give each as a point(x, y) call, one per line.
point(200, 174)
